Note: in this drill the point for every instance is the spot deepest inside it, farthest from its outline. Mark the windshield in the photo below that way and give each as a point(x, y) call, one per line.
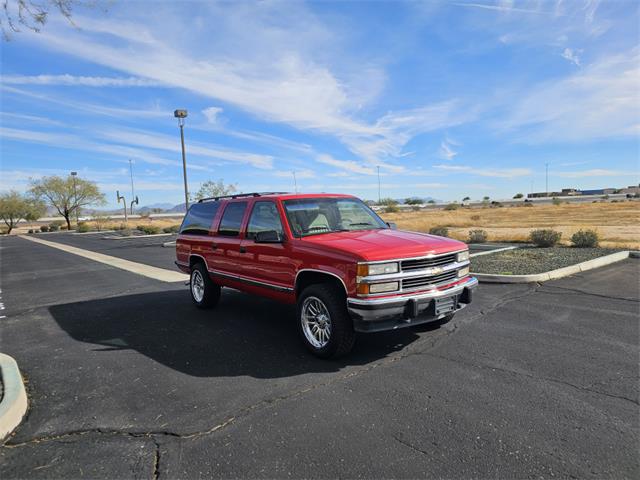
point(313, 216)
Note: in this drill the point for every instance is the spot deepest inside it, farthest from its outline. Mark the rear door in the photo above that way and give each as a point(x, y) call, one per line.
point(269, 264)
point(226, 257)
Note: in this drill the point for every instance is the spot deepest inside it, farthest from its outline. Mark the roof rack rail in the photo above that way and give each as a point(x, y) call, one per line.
point(239, 195)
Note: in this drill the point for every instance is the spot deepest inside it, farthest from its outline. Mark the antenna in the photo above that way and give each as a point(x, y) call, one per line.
point(295, 182)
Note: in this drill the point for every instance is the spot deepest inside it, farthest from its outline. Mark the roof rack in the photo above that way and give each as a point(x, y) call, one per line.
point(239, 195)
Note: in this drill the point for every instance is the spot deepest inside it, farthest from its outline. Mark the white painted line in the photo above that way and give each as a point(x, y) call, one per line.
point(553, 274)
point(14, 401)
point(162, 274)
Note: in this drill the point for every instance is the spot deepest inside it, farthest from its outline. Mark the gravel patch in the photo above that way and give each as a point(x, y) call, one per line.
point(531, 260)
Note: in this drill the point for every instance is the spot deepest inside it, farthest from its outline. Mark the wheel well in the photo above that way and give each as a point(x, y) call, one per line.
point(307, 278)
point(194, 259)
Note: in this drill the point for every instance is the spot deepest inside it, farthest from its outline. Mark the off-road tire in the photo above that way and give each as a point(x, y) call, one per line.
point(342, 336)
point(211, 291)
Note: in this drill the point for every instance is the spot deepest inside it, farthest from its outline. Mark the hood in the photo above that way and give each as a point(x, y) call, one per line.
point(373, 245)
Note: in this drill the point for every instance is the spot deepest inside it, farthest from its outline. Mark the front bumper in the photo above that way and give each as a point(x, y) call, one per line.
point(388, 313)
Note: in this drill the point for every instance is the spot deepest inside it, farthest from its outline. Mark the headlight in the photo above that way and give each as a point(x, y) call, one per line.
point(377, 269)
point(463, 272)
point(463, 256)
point(383, 287)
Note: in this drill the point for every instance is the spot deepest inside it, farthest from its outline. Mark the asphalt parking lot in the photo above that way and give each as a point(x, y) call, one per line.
point(127, 379)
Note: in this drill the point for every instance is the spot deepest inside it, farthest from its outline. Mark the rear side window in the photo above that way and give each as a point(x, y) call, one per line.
point(232, 219)
point(199, 218)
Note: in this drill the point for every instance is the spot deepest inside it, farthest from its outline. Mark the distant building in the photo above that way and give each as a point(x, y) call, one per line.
point(631, 189)
point(574, 192)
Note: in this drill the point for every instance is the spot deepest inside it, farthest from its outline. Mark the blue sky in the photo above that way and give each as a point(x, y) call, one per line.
point(449, 99)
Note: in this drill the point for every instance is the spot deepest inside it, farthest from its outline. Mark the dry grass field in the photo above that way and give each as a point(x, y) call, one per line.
point(618, 224)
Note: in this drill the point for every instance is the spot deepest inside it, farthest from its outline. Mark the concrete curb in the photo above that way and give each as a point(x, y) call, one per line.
point(559, 273)
point(114, 237)
point(14, 401)
point(92, 232)
point(489, 252)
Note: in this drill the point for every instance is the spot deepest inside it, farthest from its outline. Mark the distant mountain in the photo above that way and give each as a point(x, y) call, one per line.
point(163, 206)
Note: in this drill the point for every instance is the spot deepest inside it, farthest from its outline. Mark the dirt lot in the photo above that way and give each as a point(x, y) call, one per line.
point(617, 223)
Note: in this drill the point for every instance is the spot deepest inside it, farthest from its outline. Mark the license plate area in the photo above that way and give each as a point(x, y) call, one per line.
point(445, 305)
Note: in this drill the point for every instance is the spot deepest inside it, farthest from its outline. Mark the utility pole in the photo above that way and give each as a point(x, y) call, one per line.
point(295, 182)
point(379, 197)
point(181, 115)
point(546, 184)
point(133, 195)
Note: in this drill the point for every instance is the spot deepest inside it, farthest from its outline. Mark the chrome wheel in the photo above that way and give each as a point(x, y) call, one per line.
point(316, 322)
point(197, 286)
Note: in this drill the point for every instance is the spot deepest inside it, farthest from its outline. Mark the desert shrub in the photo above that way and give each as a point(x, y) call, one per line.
point(496, 204)
point(585, 239)
point(477, 236)
point(431, 201)
point(149, 229)
point(120, 226)
point(452, 206)
point(57, 223)
point(556, 201)
point(518, 195)
point(528, 204)
point(4, 230)
point(440, 231)
point(545, 237)
point(171, 229)
point(415, 208)
point(31, 230)
point(44, 228)
point(82, 227)
point(475, 218)
point(53, 227)
point(391, 209)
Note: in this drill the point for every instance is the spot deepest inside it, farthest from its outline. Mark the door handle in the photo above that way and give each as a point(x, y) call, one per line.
point(243, 250)
point(214, 246)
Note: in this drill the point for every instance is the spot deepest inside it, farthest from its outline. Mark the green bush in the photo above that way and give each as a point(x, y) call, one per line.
point(171, 229)
point(121, 226)
point(57, 223)
point(452, 206)
point(53, 228)
point(44, 228)
point(4, 230)
point(439, 231)
point(475, 218)
point(149, 229)
point(585, 239)
point(82, 227)
point(545, 237)
point(391, 209)
point(477, 236)
point(556, 201)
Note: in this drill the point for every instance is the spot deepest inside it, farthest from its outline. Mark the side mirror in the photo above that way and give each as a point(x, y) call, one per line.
point(268, 236)
point(392, 225)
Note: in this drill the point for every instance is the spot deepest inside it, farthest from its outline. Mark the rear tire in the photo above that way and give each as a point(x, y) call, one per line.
point(324, 324)
point(204, 293)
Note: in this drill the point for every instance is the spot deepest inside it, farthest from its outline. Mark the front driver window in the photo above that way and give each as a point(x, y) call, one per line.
point(264, 217)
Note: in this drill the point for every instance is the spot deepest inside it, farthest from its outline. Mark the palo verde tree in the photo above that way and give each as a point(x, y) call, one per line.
point(15, 207)
point(33, 14)
point(215, 189)
point(67, 195)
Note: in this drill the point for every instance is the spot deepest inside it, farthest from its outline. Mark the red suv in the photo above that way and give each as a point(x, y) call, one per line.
point(345, 268)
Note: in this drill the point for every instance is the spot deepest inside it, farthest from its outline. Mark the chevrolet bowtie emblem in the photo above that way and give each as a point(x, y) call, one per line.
point(436, 270)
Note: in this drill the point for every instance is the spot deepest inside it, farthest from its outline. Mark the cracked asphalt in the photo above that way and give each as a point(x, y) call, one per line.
point(127, 380)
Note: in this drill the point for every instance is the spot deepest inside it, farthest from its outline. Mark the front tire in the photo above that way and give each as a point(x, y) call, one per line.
point(204, 293)
point(324, 323)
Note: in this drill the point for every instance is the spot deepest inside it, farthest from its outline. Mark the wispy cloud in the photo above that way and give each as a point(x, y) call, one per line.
point(76, 81)
point(571, 55)
point(504, 7)
point(486, 172)
point(446, 149)
point(600, 101)
point(348, 165)
point(213, 114)
point(596, 172)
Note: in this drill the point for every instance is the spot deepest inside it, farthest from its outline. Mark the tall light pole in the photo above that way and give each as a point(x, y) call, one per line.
point(75, 194)
point(546, 173)
point(181, 115)
point(132, 192)
point(379, 198)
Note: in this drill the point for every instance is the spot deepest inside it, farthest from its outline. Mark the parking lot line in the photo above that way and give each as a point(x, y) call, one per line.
point(162, 274)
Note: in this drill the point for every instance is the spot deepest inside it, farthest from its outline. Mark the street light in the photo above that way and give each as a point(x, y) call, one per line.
point(181, 115)
point(379, 199)
point(75, 194)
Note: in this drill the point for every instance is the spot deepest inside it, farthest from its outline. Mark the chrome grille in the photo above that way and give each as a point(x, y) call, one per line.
point(421, 263)
point(413, 283)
